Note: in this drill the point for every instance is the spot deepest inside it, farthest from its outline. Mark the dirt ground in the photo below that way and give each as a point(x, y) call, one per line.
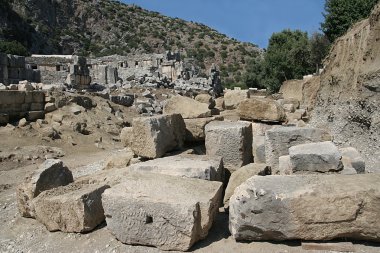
point(18, 234)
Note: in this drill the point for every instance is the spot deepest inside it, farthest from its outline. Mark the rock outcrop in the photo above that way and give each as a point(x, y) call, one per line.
point(348, 97)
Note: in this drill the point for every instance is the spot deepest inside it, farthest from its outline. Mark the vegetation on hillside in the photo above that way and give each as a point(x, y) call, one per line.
point(340, 15)
point(107, 27)
point(292, 54)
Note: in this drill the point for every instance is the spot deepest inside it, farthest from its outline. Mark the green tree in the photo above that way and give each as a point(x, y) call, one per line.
point(287, 57)
point(13, 47)
point(319, 48)
point(340, 15)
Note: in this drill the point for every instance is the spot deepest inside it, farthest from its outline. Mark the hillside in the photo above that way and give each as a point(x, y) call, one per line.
point(348, 97)
point(99, 28)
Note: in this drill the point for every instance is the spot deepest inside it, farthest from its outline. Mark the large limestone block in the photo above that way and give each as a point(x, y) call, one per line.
point(284, 165)
point(187, 107)
point(119, 159)
point(73, 208)
point(167, 212)
point(195, 128)
point(191, 166)
point(206, 99)
point(242, 175)
point(261, 109)
point(258, 149)
point(278, 141)
point(50, 174)
point(307, 207)
point(315, 157)
point(233, 98)
point(353, 156)
point(154, 136)
point(230, 140)
point(258, 141)
point(126, 136)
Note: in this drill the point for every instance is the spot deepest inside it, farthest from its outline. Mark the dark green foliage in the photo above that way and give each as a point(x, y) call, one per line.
point(290, 55)
point(287, 57)
point(340, 15)
point(13, 47)
point(319, 48)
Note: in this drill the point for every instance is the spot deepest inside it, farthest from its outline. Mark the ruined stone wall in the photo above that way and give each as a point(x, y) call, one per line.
point(15, 105)
point(13, 69)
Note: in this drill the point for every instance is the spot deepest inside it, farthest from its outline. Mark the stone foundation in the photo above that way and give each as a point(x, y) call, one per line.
point(15, 105)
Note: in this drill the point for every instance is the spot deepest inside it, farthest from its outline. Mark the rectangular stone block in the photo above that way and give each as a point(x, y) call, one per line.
point(12, 97)
point(191, 166)
point(154, 136)
point(73, 208)
point(306, 207)
point(315, 157)
point(38, 97)
point(230, 140)
point(50, 174)
point(195, 128)
point(4, 118)
point(233, 98)
point(167, 212)
point(278, 141)
point(34, 115)
point(37, 106)
point(3, 59)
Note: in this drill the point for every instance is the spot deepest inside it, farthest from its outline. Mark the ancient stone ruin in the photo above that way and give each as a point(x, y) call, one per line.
point(182, 152)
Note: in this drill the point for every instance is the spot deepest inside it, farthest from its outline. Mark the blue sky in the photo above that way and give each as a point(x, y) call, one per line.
point(246, 20)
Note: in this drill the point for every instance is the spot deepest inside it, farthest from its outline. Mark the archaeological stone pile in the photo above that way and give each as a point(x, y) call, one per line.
point(278, 169)
point(244, 153)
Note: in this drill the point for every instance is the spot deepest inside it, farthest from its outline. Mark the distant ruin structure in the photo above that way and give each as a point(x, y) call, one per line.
point(13, 69)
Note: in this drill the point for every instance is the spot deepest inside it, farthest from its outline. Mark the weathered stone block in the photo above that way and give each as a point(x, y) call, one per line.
point(284, 165)
point(126, 136)
point(261, 109)
point(230, 140)
point(154, 136)
point(73, 208)
point(34, 115)
point(119, 159)
point(38, 97)
point(4, 118)
point(258, 149)
point(278, 141)
point(191, 166)
point(315, 157)
point(233, 98)
point(206, 99)
point(356, 160)
point(126, 100)
point(187, 107)
point(167, 212)
point(37, 107)
point(313, 207)
point(12, 97)
point(195, 128)
point(243, 174)
point(51, 174)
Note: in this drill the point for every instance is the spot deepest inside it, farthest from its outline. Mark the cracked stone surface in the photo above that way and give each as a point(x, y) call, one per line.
point(314, 207)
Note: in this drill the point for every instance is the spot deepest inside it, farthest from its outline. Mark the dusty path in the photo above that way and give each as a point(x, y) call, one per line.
point(19, 234)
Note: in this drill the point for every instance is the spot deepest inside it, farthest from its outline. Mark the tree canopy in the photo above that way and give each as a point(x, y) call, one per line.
point(13, 47)
point(340, 15)
point(290, 55)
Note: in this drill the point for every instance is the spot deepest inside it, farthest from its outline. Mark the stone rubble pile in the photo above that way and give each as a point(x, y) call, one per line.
point(249, 154)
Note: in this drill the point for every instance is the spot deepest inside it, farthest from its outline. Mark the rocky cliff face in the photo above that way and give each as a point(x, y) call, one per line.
point(107, 27)
point(348, 101)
